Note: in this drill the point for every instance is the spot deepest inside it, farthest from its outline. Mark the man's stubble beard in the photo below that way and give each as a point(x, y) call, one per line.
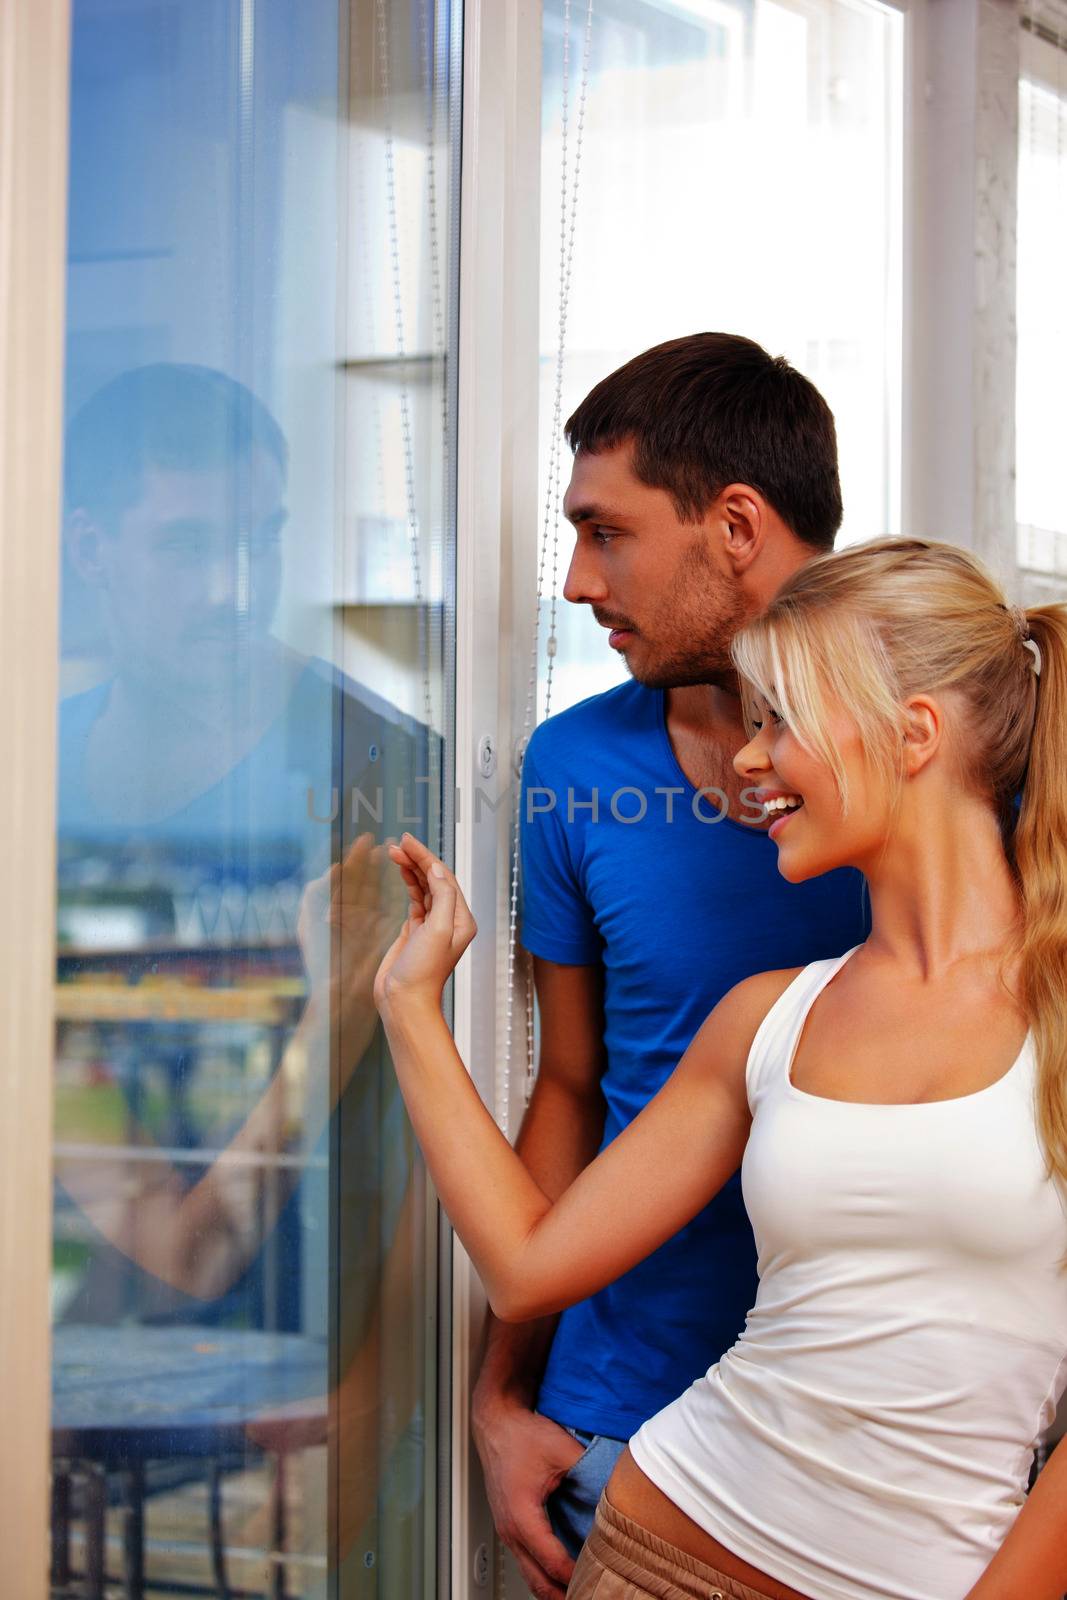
point(701, 613)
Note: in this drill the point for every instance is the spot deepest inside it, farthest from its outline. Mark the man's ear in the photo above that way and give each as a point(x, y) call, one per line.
point(924, 729)
point(83, 539)
point(742, 515)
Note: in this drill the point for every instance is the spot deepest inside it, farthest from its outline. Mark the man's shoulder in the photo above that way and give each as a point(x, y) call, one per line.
point(596, 726)
point(322, 683)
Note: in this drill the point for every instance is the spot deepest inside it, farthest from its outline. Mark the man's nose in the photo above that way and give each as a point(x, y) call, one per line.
point(222, 579)
point(584, 581)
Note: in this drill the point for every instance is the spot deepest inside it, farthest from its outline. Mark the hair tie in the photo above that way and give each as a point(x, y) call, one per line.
point(1035, 650)
point(1022, 628)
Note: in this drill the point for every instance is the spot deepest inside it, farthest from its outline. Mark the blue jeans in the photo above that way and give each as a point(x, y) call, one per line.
point(571, 1506)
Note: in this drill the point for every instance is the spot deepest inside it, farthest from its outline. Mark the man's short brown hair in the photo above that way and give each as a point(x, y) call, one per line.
point(713, 409)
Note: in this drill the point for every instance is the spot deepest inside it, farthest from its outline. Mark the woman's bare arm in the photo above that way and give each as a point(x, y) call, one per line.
point(535, 1256)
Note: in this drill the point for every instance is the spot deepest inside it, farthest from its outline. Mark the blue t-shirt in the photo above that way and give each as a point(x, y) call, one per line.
point(677, 910)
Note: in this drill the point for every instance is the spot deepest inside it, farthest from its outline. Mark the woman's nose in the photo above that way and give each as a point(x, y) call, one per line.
point(752, 758)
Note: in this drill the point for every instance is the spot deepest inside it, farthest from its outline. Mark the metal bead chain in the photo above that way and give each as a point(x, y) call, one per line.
point(566, 266)
point(412, 516)
point(439, 350)
point(569, 187)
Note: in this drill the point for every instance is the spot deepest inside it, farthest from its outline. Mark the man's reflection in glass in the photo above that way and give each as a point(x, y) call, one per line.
point(207, 780)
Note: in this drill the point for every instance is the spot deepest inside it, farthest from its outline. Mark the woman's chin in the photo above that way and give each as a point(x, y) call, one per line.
point(797, 866)
point(795, 871)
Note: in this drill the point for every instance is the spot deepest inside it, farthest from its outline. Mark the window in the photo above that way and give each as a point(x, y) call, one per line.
point(257, 684)
point(1040, 396)
point(740, 170)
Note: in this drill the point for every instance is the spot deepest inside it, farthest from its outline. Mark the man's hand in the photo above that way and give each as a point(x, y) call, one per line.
point(524, 1458)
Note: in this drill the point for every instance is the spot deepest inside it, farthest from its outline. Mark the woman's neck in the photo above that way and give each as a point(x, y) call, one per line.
point(942, 891)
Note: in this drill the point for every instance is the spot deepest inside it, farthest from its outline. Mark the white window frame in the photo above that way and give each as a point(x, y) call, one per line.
point(961, 108)
point(495, 594)
point(34, 122)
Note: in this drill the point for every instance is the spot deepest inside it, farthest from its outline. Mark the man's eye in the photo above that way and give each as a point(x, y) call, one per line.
point(603, 535)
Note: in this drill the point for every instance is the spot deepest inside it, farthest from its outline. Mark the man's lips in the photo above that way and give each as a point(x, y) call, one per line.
point(620, 631)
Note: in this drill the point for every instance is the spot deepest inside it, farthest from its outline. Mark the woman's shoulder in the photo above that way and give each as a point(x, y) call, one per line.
point(751, 1001)
point(726, 1041)
point(747, 1034)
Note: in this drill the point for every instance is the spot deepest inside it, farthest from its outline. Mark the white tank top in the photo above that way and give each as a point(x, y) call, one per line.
point(871, 1431)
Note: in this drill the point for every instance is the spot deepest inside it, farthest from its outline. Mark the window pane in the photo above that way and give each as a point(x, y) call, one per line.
point(257, 686)
point(740, 171)
point(1041, 309)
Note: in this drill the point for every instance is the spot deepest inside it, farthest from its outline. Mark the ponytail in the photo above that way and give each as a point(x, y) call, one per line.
point(1039, 849)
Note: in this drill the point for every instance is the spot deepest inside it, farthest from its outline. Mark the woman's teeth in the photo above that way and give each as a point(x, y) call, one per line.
point(782, 803)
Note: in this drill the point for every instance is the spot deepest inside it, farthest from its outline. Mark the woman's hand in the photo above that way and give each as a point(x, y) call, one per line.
point(438, 929)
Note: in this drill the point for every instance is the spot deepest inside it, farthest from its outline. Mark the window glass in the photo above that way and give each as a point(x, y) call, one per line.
point(1041, 309)
point(257, 689)
point(740, 171)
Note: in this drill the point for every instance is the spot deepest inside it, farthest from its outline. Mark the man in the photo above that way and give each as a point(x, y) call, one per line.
point(208, 775)
point(705, 472)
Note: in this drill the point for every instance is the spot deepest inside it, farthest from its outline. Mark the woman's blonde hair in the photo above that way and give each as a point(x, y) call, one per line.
point(870, 626)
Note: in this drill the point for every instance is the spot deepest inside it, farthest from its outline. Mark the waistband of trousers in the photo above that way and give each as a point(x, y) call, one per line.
point(630, 1550)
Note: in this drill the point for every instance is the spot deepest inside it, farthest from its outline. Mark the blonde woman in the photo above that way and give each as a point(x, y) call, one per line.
point(899, 1112)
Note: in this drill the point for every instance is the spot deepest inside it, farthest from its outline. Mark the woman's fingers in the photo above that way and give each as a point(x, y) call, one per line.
point(426, 875)
point(420, 853)
point(442, 917)
point(429, 878)
point(453, 913)
point(414, 879)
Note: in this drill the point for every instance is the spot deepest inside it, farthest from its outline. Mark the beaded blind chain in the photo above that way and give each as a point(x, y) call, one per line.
point(549, 544)
point(411, 503)
point(568, 212)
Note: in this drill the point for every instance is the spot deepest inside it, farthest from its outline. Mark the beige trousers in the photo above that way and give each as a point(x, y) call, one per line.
point(620, 1560)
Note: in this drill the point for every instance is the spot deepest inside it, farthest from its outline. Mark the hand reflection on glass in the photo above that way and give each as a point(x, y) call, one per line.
point(348, 919)
point(200, 1239)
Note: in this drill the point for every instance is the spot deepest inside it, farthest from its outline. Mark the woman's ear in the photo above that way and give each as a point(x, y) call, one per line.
point(924, 728)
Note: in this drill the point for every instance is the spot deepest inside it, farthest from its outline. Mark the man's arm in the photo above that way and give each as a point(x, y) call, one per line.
point(200, 1240)
point(524, 1456)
